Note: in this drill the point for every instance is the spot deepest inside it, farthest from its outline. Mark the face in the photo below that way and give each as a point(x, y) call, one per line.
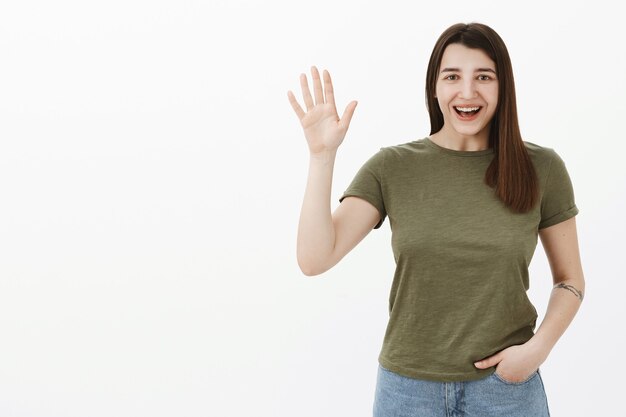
point(467, 92)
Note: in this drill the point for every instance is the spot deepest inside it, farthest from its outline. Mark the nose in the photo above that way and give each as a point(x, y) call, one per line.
point(468, 89)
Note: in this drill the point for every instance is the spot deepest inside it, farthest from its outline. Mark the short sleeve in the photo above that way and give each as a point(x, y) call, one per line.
point(557, 203)
point(368, 184)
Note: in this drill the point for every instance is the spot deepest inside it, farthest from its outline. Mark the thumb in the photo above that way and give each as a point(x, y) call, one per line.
point(488, 362)
point(347, 113)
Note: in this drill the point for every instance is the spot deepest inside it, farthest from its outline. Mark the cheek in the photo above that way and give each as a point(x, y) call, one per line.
point(494, 95)
point(491, 96)
point(442, 99)
point(443, 107)
point(492, 101)
point(439, 102)
point(441, 92)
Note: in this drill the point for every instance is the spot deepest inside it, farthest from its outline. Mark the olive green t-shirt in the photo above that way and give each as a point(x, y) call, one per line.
point(459, 289)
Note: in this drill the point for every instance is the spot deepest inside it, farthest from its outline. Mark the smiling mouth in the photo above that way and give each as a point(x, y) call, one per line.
point(467, 112)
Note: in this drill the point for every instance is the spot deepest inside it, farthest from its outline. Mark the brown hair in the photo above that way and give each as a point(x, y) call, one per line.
point(511, 172)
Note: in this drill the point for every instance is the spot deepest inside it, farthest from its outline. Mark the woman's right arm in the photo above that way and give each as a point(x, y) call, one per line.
point(323, 239)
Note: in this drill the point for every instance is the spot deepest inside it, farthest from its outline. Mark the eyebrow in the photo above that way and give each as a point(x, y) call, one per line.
point(459, 70)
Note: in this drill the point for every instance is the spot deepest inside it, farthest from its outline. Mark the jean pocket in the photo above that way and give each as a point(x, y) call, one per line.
point(504, 381)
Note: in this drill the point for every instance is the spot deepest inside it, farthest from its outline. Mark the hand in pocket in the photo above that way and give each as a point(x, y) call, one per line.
point(516, 363)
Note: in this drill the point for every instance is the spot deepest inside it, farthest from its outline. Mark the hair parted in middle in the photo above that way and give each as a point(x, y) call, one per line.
point(511, 172)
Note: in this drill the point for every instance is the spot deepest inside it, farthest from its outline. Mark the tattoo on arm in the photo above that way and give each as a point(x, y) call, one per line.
point(578, 293)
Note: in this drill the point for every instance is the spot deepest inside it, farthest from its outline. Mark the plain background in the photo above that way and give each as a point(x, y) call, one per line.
point(151, 178)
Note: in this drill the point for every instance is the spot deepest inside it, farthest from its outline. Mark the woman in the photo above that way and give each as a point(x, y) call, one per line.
point(465, 207)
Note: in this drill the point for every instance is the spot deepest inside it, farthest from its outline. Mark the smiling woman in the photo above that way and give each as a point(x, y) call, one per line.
point(467, 95)
point(466, 206)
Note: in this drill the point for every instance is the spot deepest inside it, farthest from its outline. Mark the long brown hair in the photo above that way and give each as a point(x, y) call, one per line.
point(511, 172)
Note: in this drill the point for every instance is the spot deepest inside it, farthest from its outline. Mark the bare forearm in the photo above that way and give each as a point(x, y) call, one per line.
point(564, 303)
point(316, 232)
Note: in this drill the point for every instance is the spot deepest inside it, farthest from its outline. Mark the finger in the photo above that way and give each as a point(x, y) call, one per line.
point(317, 85)
point(294, 104)
point(308, 100)
point(347, 114)
point(328, 90)
point(481, 364)
point(488, 362)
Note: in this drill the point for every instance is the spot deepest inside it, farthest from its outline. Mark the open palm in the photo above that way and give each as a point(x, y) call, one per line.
point(323, 129)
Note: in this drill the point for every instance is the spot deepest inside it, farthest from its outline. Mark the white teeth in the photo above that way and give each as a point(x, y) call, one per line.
point(467, 109)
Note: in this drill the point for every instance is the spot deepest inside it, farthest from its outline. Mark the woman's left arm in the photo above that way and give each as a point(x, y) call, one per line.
point(560, 242)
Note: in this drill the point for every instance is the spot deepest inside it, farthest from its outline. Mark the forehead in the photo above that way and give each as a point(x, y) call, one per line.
point(460, 56)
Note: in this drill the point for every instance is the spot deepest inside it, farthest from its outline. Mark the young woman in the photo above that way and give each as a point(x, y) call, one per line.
point(465, 207)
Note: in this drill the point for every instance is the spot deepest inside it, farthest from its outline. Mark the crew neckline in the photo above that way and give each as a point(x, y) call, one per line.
point(454, 152)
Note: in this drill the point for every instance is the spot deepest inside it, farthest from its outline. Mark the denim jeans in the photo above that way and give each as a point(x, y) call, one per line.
point(397, 395)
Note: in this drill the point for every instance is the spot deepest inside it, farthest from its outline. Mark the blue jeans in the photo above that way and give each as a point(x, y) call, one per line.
point(400, 396)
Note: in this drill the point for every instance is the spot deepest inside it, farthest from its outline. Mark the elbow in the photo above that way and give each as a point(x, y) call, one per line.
point(575, 279)
point(581, 287)
point(575, 285)
point(313, 262)
point(306, 270)
point(310, 269)
point(310, 272)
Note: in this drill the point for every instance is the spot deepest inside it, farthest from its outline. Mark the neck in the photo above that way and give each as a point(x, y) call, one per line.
point(457, 142)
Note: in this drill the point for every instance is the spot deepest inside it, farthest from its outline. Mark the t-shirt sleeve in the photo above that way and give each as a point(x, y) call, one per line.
point(557, 202)
point(368, 184)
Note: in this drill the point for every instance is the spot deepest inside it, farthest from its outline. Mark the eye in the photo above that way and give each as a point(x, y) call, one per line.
point(484, 77)
point(451, 75)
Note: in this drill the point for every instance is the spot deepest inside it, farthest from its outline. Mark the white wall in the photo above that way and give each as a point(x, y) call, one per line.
point(152, 173)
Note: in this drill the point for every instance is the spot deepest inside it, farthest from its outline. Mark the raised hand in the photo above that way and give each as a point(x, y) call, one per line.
point(323, 129)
